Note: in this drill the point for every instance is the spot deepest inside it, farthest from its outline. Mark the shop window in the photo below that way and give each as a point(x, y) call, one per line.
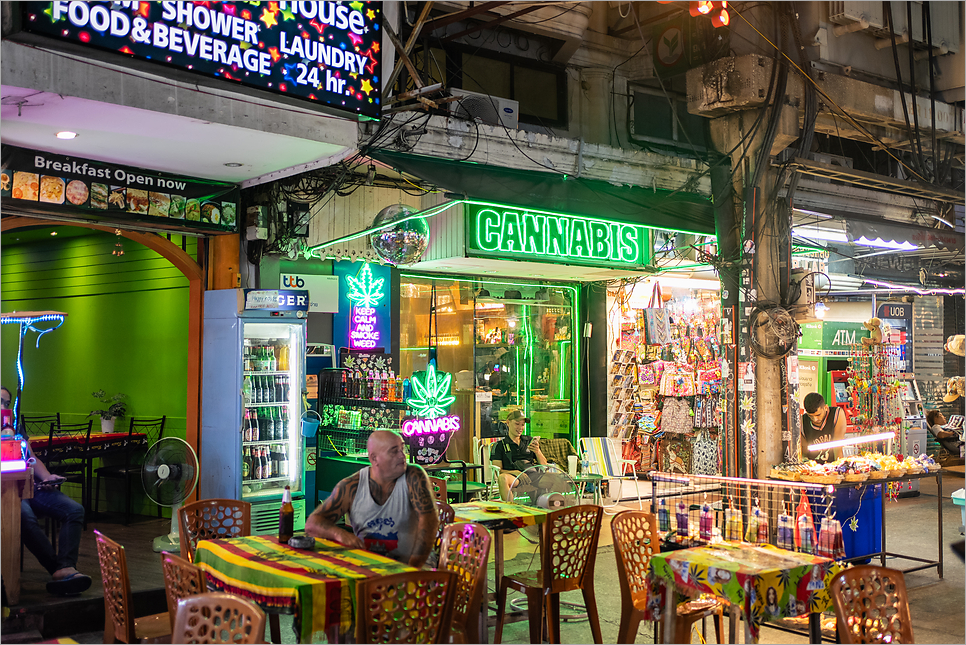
point(652, 120)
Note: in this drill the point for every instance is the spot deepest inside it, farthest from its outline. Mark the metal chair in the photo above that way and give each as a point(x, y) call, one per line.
point(464, 550)
point(73, 463)
point(212, 519)
point(871, 605)
point(604, 457)
point(181, 580)
point(635, 541)
point(120, 624)
point(32, 425)
point(413, 607)
point(568, 550)
point(218, 618)
point(131, 468)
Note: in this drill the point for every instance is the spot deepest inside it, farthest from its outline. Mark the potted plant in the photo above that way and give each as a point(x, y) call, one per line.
point(114, 407)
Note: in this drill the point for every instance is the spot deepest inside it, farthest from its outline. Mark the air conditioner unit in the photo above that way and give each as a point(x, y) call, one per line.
point(489, 109)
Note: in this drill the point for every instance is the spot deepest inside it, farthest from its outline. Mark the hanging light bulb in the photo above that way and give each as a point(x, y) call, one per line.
point(820, 309)
point(118, 247)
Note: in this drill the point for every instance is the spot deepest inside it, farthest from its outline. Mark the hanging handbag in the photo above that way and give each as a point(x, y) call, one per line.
point(657, 322)
point(676, 416)
point(704, 455)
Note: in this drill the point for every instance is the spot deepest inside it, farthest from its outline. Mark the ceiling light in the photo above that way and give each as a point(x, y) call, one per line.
point(66, 134)
point(233, 164)
point(820, 233)
point(944, 221)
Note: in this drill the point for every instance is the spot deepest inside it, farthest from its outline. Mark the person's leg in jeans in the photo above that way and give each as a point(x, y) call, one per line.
point(35, 539)
point(61, 565)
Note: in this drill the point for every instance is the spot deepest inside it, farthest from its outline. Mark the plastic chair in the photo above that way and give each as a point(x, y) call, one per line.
point(464, 550)
point(413, 607)
point(131, 468)
point(439, 488)
point(446, 515)
point(635, 541)
point(119, 622)
point(218, 618)
point(568, 554)
point(871, 605)
point(181, 580)
point(210, 519)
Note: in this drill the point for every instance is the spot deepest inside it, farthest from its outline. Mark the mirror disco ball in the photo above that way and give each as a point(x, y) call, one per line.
point(404, 243)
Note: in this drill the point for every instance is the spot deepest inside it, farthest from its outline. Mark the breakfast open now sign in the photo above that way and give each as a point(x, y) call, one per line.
point(38, 181)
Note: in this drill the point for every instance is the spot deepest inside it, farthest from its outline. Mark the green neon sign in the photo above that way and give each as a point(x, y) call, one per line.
point(431, 397)
point(509, 232)
point(364, 291)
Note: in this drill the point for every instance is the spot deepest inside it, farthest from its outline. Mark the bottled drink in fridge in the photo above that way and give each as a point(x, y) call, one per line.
point(272, 359)
point(286, 517)
point(246, 464)
point(283, 358)
point(376, 385)
point(247, 390)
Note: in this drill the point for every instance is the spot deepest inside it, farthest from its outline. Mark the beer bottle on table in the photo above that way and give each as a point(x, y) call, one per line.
point(286, 517)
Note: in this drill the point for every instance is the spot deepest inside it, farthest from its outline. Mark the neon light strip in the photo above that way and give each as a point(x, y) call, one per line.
point(13, 466)
point(921, 292)
point(428, 212)
point(664, 477)
point(866, 438)
point(26, 323)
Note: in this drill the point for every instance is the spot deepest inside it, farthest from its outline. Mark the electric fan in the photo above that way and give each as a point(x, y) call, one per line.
point(169, 476)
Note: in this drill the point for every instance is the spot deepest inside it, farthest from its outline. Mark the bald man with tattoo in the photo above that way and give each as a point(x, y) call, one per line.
point(390, 505)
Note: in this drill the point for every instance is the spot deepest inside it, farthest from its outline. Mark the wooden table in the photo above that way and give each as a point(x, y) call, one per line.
point(316, 586)
point(14, 487)
point(743, 576)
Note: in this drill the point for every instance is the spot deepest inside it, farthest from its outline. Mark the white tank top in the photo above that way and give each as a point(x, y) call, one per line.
point(388, 529)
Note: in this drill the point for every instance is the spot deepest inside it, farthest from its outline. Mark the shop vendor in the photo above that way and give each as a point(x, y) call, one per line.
point(820, 424)
point(515, 453)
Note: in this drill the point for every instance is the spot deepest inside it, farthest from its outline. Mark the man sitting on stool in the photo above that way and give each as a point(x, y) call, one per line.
point(390, 505)
point(49, 501)
point(515, 453)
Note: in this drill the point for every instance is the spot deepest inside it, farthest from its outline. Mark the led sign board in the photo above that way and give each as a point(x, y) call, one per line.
point(428, 436)
point(365, 294)
point(507, 232)
point(326, 52)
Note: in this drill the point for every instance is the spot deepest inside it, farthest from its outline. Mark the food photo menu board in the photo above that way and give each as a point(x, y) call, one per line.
point(324, 52)
point(34, 180)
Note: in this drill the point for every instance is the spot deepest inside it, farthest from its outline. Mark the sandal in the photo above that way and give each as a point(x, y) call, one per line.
point(69, 586)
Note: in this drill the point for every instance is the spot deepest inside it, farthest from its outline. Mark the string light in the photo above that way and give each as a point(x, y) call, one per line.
point(118, 247)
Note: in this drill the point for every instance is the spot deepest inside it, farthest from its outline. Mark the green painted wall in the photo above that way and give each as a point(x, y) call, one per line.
point(126, 330)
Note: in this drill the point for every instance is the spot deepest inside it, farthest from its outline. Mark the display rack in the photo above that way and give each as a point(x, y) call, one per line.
point(347, 421)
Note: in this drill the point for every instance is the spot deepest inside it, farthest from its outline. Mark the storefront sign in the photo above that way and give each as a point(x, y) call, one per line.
point(326, 52)
point(363, 318)
point(509, 232)
point(431, 393)
point(428, 439)
point(323, 290)
point(276, 300)
point(34, 180)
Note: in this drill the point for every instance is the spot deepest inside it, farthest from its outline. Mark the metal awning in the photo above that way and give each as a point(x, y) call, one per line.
point(548, 191)
point(902, 237)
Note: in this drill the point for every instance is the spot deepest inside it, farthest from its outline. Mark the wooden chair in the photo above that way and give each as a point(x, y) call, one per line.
point(413, 607)
point(635, 541)
point(439, 488)
point(212, 519)
point(568, 546)
point(181, 580)
point(120, 625)
point(464, 550)
point(131, 468)
point(218, 618)
point(871, 605)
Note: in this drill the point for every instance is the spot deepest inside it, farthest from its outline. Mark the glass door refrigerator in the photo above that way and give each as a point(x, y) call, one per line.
point(252, 378)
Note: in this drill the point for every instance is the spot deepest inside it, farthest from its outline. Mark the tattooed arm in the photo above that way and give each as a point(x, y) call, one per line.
point(321, 522)
point(427, 520)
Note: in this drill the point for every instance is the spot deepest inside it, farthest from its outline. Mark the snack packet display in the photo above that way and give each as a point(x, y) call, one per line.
point(804, 526)
point(734, 524)
point(830, 542)
point(706, 522)
point(786, 531)
point(681, 516)
point(663, 517)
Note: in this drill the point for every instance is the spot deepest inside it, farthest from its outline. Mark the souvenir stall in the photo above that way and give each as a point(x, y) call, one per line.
point(665, 375)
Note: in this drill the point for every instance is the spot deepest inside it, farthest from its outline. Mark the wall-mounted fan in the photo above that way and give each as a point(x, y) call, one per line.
point(169, 476)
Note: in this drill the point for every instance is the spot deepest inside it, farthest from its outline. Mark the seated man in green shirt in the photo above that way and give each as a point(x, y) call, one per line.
point(515, 453)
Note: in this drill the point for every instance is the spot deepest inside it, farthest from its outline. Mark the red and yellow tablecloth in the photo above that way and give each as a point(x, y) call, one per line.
point(499, 515)
point(766, 582)
point(317, 586)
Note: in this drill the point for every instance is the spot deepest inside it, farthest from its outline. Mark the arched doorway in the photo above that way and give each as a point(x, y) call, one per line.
point(195, 276)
